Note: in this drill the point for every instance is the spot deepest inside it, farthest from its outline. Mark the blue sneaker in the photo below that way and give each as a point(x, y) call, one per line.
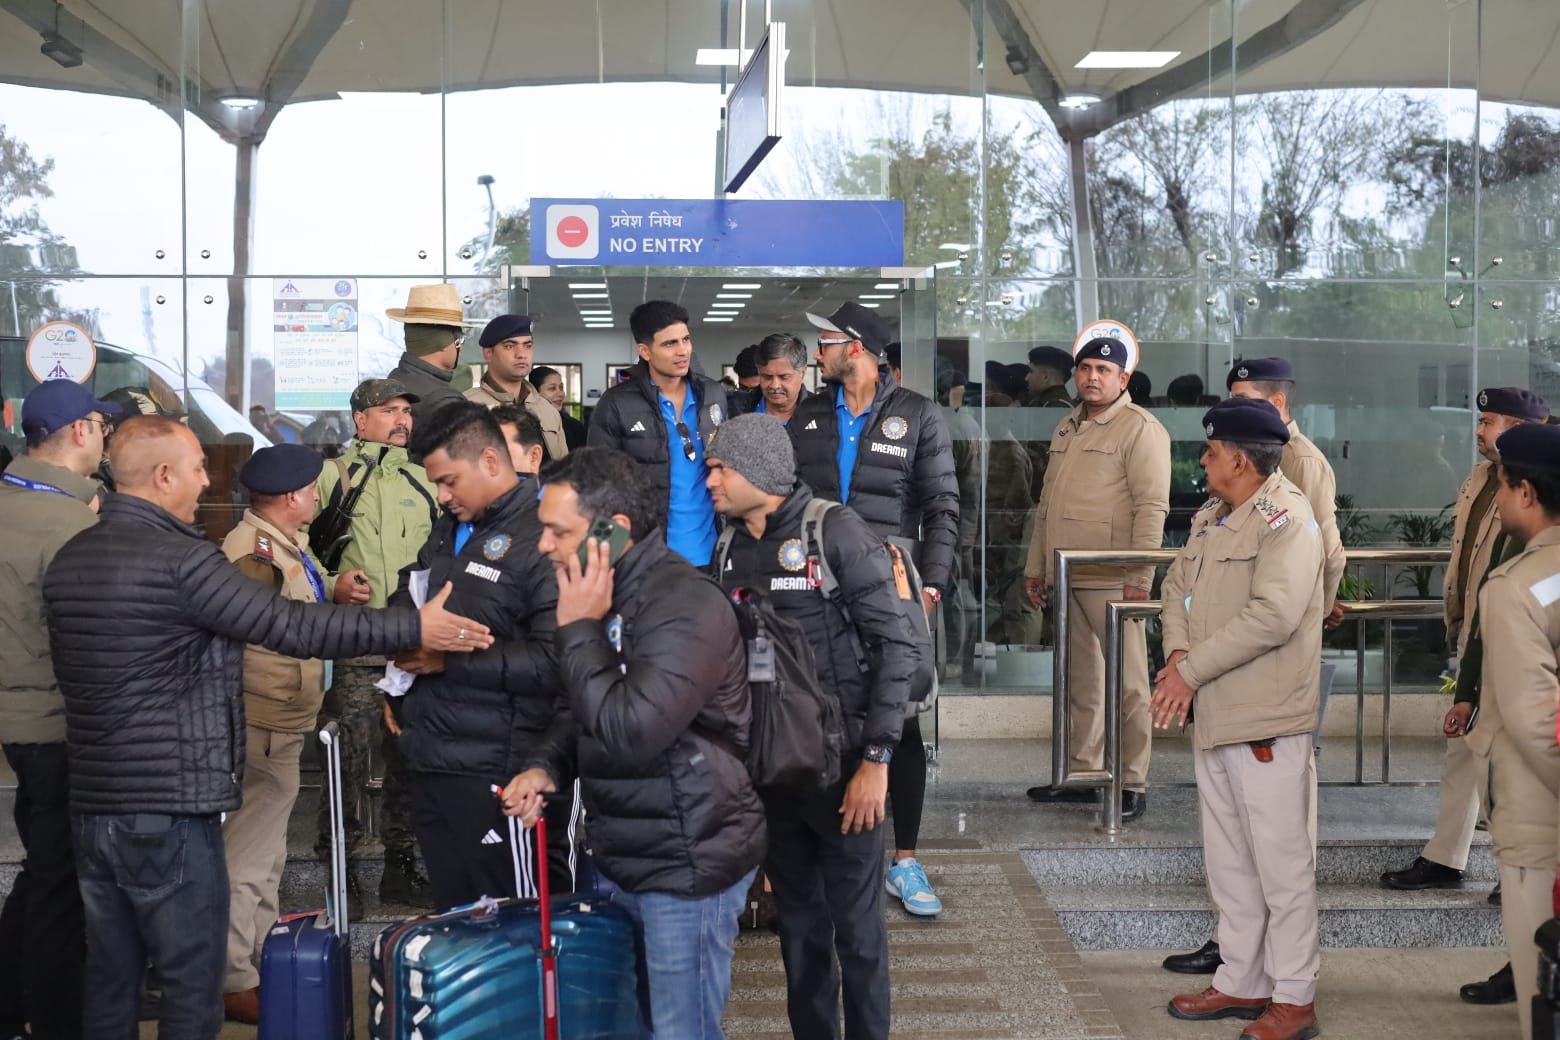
point(908, 881)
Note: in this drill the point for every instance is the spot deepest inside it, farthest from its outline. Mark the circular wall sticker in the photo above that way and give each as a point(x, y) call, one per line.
point(61, 350)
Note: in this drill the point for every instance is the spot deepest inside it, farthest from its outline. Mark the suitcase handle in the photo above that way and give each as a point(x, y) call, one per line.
point(548, 952)
point(336, 897)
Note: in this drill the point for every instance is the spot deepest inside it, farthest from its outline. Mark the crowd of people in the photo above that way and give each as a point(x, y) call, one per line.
point(511, 603)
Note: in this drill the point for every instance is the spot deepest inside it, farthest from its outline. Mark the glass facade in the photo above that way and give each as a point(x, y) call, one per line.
point(1368, 187)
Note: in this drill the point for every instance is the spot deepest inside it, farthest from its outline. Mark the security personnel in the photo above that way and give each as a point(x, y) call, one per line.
point(1519, 610)
point(825, 848)
point(1046, 381)
point(1272, 379)
point(509, 349)
point(435, 327)
point(1107, 486)
point(884, 451)
point(282, 697)
point(1476, 526)
point(391, 521)
point(1243, 607)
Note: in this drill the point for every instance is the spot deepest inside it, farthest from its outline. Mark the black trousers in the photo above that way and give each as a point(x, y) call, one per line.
point(43, 931)
point(907, 785)
point(473, 850)
point(829, 888)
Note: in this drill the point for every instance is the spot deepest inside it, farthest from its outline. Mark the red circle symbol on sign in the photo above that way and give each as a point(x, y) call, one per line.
point(573, 231)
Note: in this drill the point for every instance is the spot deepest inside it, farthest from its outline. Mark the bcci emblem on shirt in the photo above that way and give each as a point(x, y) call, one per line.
point(895, 428)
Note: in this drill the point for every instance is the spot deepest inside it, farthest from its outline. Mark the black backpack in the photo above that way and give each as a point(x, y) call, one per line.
point(798, 730)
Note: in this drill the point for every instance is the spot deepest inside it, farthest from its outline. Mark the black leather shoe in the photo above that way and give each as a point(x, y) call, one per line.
point(1133, 803)
point(1064, 795)
point(1494, 899)
point(1204, 962)
point(1422, 874)
point(1499, 988)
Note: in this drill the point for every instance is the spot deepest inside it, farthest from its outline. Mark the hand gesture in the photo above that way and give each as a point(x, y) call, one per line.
point(588, 595)
point(1172, 696)
point(448, 632)
point(523, 796)
point(862, 809)
point(352, 587)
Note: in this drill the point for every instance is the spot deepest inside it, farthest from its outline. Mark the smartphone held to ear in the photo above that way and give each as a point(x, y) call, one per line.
point(605, 530)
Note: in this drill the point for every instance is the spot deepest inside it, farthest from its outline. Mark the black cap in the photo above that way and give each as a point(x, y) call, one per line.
point(280, 469)
point(746, 364)
point(1515, 402)
point(503, 327)
point(371, 392)
point(857, 322)
point(1051, 357)
point(1261, 369)
point(1246, 420)
point(1531, 445)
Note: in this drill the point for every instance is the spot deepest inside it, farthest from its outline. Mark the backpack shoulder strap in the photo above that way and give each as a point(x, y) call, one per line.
point(345, 481)
point(812, 543)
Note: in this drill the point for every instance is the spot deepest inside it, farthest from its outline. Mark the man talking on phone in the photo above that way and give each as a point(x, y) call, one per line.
point(655, 670)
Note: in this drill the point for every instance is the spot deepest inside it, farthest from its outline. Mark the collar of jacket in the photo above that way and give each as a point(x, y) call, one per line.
point(639, 375)
point(83, 489)
point(641, 558)
point(296, 543)
point(123, 508)
point(504, 395)
point(1235, 517)
point(885, 386)
point(389, 455)
point(417, 364)
point(1548, 536)
point(787, 515)
point(1080, 412)
point(513, 502)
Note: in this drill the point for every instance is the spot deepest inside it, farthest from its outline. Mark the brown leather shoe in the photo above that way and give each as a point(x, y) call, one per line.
point(1284, 1022)
point(243, 1006)
point(1210, 1003)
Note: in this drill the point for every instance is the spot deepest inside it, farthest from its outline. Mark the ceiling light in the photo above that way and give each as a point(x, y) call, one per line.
point(872, 305)
point(1127, 59)
point(239, 104)
point(743, 285)
point(960, 247)
point(1079, 100)
point(733, 296)
point(595, 314)
point(587, 285)
point(715, 319)
point(591, 296)
point(727, 306)
point(888, 285)
point(877, 296)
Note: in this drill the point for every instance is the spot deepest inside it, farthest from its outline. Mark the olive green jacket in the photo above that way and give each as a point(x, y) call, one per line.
point(393, 518)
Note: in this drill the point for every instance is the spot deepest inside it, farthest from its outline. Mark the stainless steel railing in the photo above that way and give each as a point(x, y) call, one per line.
point(1118, 612)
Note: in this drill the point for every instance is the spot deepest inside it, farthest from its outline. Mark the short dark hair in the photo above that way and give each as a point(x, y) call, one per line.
point(540, 373)
point(1263, 457)
point(746, 365)
point(1546, 484)
point(528, 428)
point(461, 429)
point(779, 345)
point(1187, 389)
point(1269, 387)
point(608, 483)
point(652, 316)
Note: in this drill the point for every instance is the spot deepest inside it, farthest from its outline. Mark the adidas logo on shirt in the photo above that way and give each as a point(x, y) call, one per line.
point(812, 424)
point(492, 838)
point(638, 427)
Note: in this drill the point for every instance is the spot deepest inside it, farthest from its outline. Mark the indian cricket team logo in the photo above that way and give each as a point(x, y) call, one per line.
point(496, 547)
point(895, 428)
point(615, 632)
point(792, 556)
point(716, 415)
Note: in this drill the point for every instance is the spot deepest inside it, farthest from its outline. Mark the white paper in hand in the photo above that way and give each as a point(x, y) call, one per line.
point(397, 680)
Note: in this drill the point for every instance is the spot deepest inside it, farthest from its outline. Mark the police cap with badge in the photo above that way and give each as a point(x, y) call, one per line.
point(505, 326)
point(1530, 446)
point(1245, 421)
point(1260, 370)
point(280, 469)
point(1515, 402)
point(1107, 340)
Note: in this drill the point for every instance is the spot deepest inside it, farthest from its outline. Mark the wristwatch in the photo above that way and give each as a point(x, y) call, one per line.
point(933, 591)
point(882, 754)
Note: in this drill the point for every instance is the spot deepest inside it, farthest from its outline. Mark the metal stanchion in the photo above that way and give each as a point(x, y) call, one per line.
point(1117, 614)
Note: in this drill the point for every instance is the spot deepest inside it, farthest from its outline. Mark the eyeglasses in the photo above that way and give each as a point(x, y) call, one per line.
point(823, 343)
point(689, 450)
point(103, 423)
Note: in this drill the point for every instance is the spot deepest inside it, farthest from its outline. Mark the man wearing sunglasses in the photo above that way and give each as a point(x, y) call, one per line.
point(661, 415)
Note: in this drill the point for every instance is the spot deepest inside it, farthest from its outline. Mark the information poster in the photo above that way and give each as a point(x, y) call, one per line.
point(315, 322)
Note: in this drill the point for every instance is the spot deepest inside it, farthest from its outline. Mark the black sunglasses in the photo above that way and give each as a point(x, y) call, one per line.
point(689, 450)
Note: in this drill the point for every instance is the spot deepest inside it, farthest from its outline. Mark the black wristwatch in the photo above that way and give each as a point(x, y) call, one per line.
point(881, 754)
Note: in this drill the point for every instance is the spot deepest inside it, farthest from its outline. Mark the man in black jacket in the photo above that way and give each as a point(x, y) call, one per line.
point(885, 452)
point(825, 852)
point(656, 674)
point(148, 621)
point(471, 722)
point(662, 415)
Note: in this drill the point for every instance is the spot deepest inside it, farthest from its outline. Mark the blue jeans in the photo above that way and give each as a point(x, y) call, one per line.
point(155, 889)
point(684, 951)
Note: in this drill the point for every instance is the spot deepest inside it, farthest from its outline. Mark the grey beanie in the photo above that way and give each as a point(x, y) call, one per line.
point(756, 446)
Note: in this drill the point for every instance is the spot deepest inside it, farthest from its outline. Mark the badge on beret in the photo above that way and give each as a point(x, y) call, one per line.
point(894, 428)
point(1209, 428)
point(496, 547)
point(1484, 398)
point(1107, 328)
point(1243, 372)
point(792, 556)
point(1105, 350)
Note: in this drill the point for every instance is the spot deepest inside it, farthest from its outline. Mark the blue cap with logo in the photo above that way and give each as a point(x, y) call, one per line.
point(1261, 369)
point(1245, 420)
point(1515, 402)
point(281, 468)
point(56, 403)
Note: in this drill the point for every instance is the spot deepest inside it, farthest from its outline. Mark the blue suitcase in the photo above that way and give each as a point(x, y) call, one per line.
point(306, 962)
point(487, 970)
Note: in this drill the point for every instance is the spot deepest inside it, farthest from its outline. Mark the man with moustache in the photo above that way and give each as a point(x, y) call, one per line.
point(782, 373)
point(508, 348)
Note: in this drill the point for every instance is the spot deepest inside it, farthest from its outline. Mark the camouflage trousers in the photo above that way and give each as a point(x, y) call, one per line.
point(357, 705)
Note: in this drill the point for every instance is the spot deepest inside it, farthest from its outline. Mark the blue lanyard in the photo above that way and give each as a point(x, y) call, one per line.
point(32, 485)
point(315, 580)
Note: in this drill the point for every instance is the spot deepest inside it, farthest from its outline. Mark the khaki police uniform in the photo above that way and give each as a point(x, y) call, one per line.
point(1465, 769)
point(282, 698)
point(1520, 612)
point(1107, 486)
point(490, 395)
point(1244, 600)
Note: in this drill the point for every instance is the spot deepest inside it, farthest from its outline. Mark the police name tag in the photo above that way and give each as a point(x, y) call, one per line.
point(1278, 519)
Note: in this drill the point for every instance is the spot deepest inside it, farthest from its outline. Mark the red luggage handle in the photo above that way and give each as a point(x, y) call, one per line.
point(548, 952)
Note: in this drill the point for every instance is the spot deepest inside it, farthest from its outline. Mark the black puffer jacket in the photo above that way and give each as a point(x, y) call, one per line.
point(495, 713)
point(148, 622)
point(872, 701)
point(628, 418)
point(670, 808)
point(904, 484)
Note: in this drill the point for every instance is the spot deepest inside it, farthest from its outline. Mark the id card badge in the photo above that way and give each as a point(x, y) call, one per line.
point(761, 660)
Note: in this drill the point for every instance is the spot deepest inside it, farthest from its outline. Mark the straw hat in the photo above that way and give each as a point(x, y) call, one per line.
point(432, 305)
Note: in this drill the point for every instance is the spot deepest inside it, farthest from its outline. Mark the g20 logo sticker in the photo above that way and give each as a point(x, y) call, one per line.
point(61, 350)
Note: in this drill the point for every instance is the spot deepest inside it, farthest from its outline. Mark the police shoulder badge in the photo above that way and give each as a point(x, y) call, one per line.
point(263, 547)
point(792, 556)
point(496, 547)
point(895, 428)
